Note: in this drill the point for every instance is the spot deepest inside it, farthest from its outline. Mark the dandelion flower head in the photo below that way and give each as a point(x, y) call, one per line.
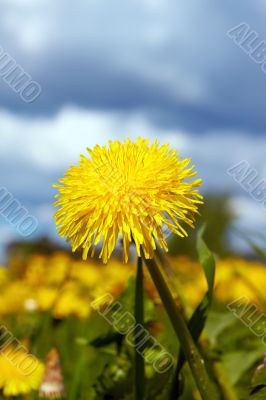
point(133, 189)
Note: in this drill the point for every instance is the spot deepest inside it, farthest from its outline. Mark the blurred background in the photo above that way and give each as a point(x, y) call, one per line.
point(160, 69)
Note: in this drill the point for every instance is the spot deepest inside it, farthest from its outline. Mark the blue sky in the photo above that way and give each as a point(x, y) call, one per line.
point(113, 69)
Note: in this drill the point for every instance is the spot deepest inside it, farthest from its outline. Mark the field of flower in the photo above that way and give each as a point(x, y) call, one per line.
point(47, 301)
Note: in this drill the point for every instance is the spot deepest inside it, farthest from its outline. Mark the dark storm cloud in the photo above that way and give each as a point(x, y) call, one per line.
point(172, 61)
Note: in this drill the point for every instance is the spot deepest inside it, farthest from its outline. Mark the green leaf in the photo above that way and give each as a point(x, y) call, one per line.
point(199, 317)
point(217, 322)
point(197, 322)
point(259, 395)
point(238, 362)
point(207, 261)
point(258, 390)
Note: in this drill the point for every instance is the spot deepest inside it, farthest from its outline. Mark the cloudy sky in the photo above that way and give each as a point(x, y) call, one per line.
point(159, 68)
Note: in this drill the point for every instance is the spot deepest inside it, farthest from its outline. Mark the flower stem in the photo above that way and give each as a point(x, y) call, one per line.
point(174, 311)
point(139, 316)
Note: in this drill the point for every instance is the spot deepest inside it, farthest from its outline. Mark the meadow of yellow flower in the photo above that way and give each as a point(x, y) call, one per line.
point(64, 288)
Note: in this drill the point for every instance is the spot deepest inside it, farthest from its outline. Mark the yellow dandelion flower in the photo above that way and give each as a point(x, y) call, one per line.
point(21, 373)
point(131, 188)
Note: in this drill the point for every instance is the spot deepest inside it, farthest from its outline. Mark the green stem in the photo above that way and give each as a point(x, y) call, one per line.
point(195, 360)
point(173, 281)
point(139, 316)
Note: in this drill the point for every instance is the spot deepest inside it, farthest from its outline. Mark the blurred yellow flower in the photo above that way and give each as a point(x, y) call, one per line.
point(70, 301)
point(45, 297)
point(59, 283)
point(130, 188)
point(15, 379)
point(3, 275)
point(13, 297)
point(88, 275)
point(234, 278)
point(58, 268)
point(35, 270)
point(42, 270)
point(238, 277)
